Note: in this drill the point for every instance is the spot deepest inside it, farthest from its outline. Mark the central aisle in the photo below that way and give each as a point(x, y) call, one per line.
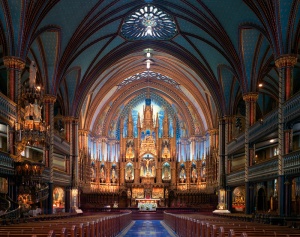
point(153, 228)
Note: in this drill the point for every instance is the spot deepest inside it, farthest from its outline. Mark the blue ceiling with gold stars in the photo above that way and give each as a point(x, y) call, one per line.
point(214, 50)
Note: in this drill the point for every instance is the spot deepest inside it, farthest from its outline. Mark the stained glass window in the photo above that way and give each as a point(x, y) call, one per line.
point(149, 22)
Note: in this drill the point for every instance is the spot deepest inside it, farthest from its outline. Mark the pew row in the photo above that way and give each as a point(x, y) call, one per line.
point(85, 226)
point(190, 225)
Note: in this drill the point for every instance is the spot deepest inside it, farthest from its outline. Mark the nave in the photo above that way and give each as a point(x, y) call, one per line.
point(173, 224)
point(153, 228)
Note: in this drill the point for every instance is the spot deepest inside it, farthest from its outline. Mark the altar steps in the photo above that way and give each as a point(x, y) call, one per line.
point(147, 215)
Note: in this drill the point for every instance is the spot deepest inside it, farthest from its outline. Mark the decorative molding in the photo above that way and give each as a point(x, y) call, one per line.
point(12, 62)
point(250, 97)
point(286, 61)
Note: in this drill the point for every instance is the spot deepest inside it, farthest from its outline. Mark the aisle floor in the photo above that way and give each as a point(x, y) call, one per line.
point(153, 228)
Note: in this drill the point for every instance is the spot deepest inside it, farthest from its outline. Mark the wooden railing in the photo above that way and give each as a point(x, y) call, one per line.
point(7, 109)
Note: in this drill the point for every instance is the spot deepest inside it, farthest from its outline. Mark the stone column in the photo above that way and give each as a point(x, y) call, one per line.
point(67, 121)
point(173, 174)
point(75, 150)
point(285, 64)
point(288, 197)
point(122, 172)
point(159, 174)
point(49, 101)
point(83, 147)
point(136, 173)
point(222, 144)
point(74, 164)
point(288, 141)
point(250, 100)
point(14, 67)
point(228, 136)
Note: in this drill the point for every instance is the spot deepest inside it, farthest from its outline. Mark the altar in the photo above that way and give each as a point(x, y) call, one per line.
point(147, 204)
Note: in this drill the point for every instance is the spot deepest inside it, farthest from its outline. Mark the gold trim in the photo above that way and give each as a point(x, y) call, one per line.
point(286, 61)
point(12, 62)
point(48, 98)
point(251, 96)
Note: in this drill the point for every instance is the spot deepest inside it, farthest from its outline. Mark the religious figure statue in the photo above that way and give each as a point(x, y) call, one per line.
point(92, 174)
point(37, 111)
point(153, 170)
point(183, 129)
point(129, 153)
point(194, 175)
point(182, 175)
point(166, 193)
point(166, 174)
point(113, 175)
point(102, 175)
point(129, 174)
point(147, 164)
point(32, 74)
point(142, 170)
point(28, 111)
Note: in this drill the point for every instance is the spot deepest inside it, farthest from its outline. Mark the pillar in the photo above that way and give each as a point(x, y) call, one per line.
point(49, 119)
point(250, 100)
point(285, 64)
point(288, 141)
point(14, 67)
point(222, 144)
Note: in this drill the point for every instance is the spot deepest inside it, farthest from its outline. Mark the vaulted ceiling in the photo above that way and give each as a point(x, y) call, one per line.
point(220, 51)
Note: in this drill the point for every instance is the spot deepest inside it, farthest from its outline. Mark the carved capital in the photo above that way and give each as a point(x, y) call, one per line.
point(250, 97)
point(83, 132)
point(228, 118)
point(213, 131)
point(50, 99)
point(71, 119)
point(286, 61)
point(12, 62)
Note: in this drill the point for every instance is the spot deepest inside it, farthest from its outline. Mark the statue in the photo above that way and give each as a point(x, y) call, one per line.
point(28, 111)
point(183, 129)
point(153, 170)
point(32, 74)
point(147, 164)
point(194, 175)
point(92, 174)
point(129, 153)
point(182, 175)
point(113, 173)
point(129, 174)
point(102, 175)
point(166, 173)
point(37, 111)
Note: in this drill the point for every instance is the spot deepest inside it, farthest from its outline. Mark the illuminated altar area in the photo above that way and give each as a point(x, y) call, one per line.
point(147, 204)
point(147, 157)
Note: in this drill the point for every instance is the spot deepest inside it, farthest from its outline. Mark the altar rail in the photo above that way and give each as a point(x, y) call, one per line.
point(203, 208)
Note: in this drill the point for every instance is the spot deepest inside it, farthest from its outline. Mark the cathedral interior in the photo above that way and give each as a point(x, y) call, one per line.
point(149, 104)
